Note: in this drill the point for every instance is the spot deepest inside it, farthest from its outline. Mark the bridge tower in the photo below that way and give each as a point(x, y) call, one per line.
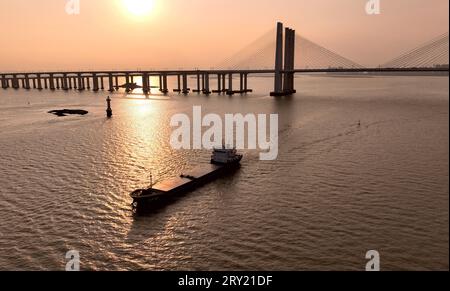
point(284, 77)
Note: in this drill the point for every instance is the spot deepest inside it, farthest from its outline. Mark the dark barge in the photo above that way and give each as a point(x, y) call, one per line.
point(222, 161)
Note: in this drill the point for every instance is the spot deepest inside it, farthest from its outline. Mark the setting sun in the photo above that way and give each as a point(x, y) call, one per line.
point(139, 7)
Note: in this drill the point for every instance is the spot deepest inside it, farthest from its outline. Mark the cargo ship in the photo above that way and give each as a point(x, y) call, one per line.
point(223, 160)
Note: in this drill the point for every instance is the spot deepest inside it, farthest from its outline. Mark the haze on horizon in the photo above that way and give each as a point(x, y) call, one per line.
point(111, 34)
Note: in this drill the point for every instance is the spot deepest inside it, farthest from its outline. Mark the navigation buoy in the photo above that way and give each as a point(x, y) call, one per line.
point(109, 112)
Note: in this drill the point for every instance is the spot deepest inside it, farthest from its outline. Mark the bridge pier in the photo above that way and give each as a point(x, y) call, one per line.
point(55, 81)
point(185, 84)
point(116, 80)
point(127, 81)
point(246, 83)
point(145, 83)
point(39, 82)
point(111, 83)
point(230, 85)
point(27, 82)
point(241, 82)
point(51, 81)
point(219, 84)
point(206, 89)
point(15, 82)
point(64, 83)
point(164, 88)
point(102, 83)
point(198, 90)
point(95, 83)
point(224, 83)
point(80, 83)
point(178, 89)
point(203, 82)
point(88, 83)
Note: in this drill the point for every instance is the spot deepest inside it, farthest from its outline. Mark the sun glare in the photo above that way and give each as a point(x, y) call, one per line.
point(139, 7)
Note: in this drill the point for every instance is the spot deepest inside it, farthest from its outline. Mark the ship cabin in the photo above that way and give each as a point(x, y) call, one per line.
point(225, 156)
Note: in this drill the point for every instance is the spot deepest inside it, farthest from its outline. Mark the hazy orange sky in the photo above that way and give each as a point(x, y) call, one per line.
point(40, 35)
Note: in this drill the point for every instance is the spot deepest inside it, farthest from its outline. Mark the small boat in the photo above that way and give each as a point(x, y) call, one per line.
point(223, 160)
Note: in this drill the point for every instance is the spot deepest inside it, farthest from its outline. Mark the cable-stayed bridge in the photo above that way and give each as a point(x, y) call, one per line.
point(293, 54)
point(312, 56)
point(309, 55)
point(431, 54)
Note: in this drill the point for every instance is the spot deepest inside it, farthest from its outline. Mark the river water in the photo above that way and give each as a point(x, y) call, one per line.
point(336, 191)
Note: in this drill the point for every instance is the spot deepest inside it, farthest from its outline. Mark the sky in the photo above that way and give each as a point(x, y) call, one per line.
point(125, 34)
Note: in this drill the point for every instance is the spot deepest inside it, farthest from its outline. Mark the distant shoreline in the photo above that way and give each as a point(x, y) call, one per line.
point(400, 74)
point(368, 74)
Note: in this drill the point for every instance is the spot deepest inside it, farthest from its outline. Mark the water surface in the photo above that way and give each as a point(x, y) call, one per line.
point(336, 190)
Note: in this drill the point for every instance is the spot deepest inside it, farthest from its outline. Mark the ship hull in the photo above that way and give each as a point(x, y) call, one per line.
point(153, 202)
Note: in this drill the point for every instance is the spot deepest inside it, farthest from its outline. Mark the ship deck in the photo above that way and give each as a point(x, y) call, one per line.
point(197, 173)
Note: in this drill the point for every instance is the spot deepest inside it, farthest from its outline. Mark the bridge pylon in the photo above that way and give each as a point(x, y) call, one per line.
point(284, 77)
